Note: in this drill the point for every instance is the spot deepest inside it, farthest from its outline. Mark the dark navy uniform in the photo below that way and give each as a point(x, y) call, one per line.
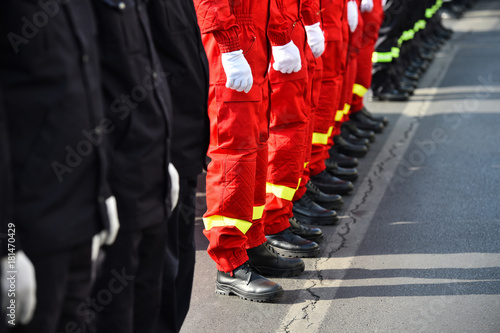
point(138, 103)
point(49, 75)
point(177, 38)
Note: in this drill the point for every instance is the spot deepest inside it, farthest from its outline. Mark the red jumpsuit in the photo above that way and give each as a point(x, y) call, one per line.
point(372, 22)
point(236, 175)
point(290, 113)
point(332, 20)
point(315, 73)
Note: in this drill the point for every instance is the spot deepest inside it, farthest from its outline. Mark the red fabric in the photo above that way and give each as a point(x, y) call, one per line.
point(238, 127)
point(333, 14)
point(315, 70)
point(372, 22)
point(287, 129)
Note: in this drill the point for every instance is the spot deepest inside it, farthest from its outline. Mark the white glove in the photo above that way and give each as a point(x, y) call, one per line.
point(107, 237)
point(315, 39)
point(366, 6)
point(286, 58)
point(174, 183)
point(352, 15)
point(238, 71)
point(383, 3)
point(22, 284)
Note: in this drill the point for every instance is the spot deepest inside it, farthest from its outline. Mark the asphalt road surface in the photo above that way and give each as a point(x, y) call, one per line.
point(418, 246)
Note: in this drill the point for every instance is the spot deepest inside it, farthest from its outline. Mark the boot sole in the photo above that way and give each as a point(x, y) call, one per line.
point(294, 254)
point(279, 272)
point(226, 290)
point(317, 221)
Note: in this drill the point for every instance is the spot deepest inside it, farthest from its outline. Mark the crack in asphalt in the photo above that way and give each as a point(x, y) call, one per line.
point(352, 219)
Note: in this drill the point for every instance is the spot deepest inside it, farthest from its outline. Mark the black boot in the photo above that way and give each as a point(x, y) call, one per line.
point(267, 263)
point(307, 211)
point(288, 244)
point(341, 159)
point(330, 184)
point(354, 139)
point(328, 201)
point(312, 234)
point(364, 123)
point(350, 174)
point(344, 147)
point(351, 128)
point(248, 285)
point(370, 115)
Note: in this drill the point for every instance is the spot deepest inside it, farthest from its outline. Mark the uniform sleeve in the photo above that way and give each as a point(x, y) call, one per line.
point(310, 12)
point(214, 16)
point(280, 28)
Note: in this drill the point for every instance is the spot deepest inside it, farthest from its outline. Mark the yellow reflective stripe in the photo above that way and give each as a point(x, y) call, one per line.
point(322, 138)
point(347, 107)
point(339, 115)
point(306, 164)
point(223, 221)
point(429, 12)
point(395, 52)
point(382, 57)
point(281, 191)
point(359, 90)
point(258, 211)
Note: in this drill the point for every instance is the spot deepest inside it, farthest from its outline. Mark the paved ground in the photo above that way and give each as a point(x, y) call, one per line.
point(418, 246)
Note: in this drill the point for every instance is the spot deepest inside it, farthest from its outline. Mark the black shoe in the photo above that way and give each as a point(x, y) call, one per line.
point(327, 201)
point(425, 54)
point(354, 139)
point(390, 94)
point(330, 184)
point(370, 115)
point(409, 82)
point(341, 159)
point(265, 262)
point(364, 123)
point(307, 211)
point(288, 244)
point(406, 88)
point(347, 148)
point(350, 174)
point(312, 234)
point(351, 128)
point(248, 285)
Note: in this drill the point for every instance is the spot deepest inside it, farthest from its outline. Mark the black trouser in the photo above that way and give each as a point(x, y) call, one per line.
point(63, 286)
point(126, 295)
point(180, 255)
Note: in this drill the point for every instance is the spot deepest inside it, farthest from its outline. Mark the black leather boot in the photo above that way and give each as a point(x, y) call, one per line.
point(364, 123)
point(312, 234)
point(347, 148)
point(370, 115)
point(351, 128)
point(328, 201)
point(350, 174)
point(341, 159)
point(354, 139)
point(267, 263)
point(248, 285)
point(330, 184)
point(288, 244)
point(307, 211)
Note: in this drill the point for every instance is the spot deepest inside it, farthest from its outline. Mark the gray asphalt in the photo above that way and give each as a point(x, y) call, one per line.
point(418, 246)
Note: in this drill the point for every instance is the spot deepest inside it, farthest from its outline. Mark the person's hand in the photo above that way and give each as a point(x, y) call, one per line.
point(174, 185)
point(315, 39)
point(238, 71)
point(286, 58)
point(22, 284)
point(352, 15)
point(107, 236)
point(366, 6)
